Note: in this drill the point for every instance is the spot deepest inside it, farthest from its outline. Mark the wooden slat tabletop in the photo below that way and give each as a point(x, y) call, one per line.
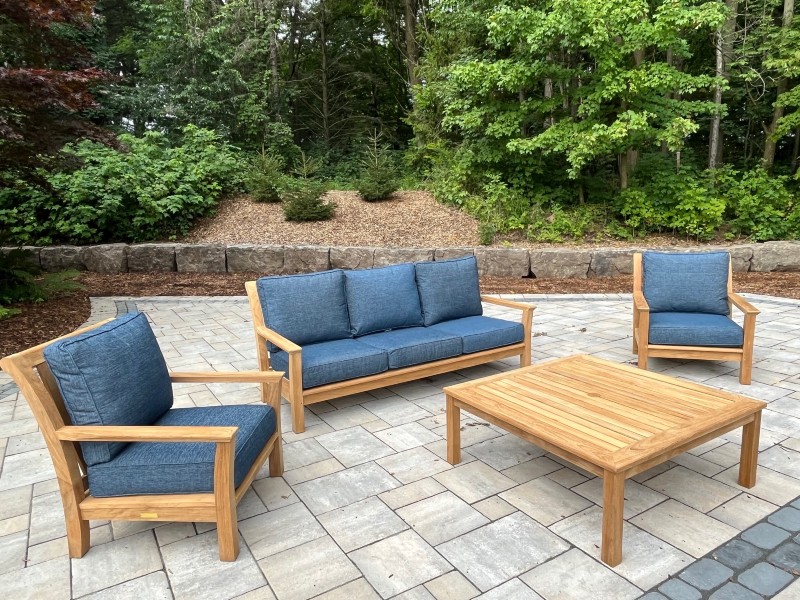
point(611, 415)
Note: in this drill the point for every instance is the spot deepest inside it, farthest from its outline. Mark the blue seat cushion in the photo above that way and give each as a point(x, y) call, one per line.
point(414, 346)
point(448, 289)
point(482, 333)
point(383, 298)
point(112, 375)
point(339, 360)
point(184, 467)
point(694, 329)
point(306, 308)
point(686, 282)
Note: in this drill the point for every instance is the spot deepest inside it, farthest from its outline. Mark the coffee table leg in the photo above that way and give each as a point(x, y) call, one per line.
point(613, 501)
point(453, 432)
point(748, 460)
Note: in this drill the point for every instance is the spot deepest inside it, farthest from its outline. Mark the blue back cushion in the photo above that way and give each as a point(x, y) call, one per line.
point(383, 298)
point(112, 375)
point(306, 308)
point(686, 282)
point(449, 289)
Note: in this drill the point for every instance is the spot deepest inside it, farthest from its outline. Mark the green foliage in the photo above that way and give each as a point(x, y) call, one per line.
point(150, 190)
point(264, 179)
point(23, 281)
point(559, 224)
point(304, 202)
point(378, 179)
point(6, 313)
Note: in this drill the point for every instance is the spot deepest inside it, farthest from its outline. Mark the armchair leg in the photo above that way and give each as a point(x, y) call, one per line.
point(225, 502)
point(642, 362)
point(78, 537)
point(635, 344)
point(746, 371)
point(276, 460)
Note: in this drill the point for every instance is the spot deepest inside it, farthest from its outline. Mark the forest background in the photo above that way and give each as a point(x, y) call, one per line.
point(125, 120)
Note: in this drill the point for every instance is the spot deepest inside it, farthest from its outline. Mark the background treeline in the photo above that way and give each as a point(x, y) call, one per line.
point(556, 118)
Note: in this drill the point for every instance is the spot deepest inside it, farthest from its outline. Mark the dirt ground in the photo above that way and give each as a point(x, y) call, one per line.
point(41, 322)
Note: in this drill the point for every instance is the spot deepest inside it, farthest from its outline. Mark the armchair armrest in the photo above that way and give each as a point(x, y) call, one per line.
point(742, 304)
point(277, 339)
point(507, 303)
point(227, 377)
point(639, 302)
point(145, 433)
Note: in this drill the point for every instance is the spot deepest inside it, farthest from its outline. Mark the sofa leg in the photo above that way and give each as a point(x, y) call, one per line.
point(298, 417)
point(276, 460)
point(642, 362)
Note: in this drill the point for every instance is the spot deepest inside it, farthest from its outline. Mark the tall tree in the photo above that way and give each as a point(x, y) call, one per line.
point(770, 141)
point(45, 78)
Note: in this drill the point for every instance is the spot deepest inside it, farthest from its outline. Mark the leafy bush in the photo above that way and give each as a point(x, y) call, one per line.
point(557, 223)
point(150, 190)
point(23, 281)
point(378, 180)
point(264, 179)
point(304, 202)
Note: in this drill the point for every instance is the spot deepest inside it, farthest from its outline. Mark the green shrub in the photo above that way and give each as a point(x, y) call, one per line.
point(555, 224)
point(264, 179)
point(303, 202)
point(378, 180)
point(23, 281)
point(149, 190)
point(486, 233)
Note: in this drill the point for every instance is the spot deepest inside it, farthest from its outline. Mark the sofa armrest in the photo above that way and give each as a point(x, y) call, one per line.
point(742, 304)
point(508, 303)
point(227, 377)
point(277, 339)
point(146, 433)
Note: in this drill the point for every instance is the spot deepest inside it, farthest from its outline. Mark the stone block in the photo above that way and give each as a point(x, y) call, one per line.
point(352, 258)
point(557, 263)
point(679, 590)
point(151, 258)
point(503, 262)
point(776, 256)
point(396, 256)
point(741, 258)
point(305, 259)
point(448, 253)
point(106, 258)
point(610, 263)
point(200, 258)
point(736, 554)
point(32, 257)
point(786, 557)
point(61, 258)
point(788, 518)
point(249, 258)
point(765, 536)
point(706, 574)
point(765, 579)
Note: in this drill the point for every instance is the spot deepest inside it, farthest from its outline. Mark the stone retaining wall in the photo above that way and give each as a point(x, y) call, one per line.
point(506, 262)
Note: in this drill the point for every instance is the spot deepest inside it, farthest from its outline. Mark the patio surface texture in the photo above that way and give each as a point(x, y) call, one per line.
point(369, 508)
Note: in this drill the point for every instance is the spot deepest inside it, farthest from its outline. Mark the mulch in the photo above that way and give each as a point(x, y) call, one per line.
point(41, 322)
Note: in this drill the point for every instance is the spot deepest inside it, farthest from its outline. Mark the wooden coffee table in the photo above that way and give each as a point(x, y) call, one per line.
point(610, 419)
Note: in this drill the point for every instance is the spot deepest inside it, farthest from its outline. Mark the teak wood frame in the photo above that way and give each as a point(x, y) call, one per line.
point(298, 397)
point(641, 331)
point(34, 378)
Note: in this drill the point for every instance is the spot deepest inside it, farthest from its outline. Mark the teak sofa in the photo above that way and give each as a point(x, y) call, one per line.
point(336, 333)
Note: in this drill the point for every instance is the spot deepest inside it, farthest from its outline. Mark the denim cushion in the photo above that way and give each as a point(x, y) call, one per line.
point(381, 299)
point(694, 329)
point(112, 375)
point(686, 282)
point(338, 360)
point(305, 308)
point(448, 289)
point(414, 346)
point(184, 467)
point(482, 333)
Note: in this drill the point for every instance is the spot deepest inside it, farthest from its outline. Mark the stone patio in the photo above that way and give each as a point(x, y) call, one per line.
point(369, 507)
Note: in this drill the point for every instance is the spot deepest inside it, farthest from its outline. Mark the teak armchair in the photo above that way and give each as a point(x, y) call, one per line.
point(36, 381)
point(717, 336)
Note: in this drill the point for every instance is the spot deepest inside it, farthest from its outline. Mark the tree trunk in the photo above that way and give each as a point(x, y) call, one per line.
point(724, 53)
point(323, 44)
point(274, 84)
point(795, 150)
point(412, 50)
point(770, 144)
point(548, 94)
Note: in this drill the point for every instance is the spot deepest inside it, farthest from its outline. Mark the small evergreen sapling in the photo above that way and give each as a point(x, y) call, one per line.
point(378, 179)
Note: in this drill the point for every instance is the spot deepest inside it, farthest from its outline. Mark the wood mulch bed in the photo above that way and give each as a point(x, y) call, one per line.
point(40, 322)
